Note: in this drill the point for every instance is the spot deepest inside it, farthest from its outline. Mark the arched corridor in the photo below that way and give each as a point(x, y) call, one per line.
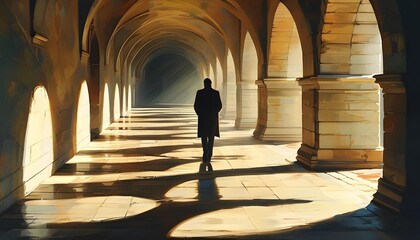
point(319, 113)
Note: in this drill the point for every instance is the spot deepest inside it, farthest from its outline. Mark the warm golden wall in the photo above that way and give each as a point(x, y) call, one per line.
point(53, 64)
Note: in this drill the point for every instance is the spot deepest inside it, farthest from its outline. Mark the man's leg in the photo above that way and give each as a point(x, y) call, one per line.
point(204, 144)
point(210, 147)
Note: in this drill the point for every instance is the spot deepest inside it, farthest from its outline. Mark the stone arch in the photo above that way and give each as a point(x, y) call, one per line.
point(229, 89)
point(350, 40)
point(249, 60)
point(281, 119)
point(83, 118)
point(246, 98)
point(219, 75)
point(94, 87)
point(392, 34)
point(38, 153)
point(309, 52)
point(196, 34)
point(86, 38)
point(129, 98)
point(211, 74)
point(40, 16)
point(285, 50)
point(106, 111)
point(124, 100)
point(116, 113)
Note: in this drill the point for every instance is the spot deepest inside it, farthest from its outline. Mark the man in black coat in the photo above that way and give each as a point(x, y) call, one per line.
point(207, 105)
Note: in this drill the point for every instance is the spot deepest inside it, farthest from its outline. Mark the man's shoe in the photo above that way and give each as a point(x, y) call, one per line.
point(209, 166)
point(202, 167)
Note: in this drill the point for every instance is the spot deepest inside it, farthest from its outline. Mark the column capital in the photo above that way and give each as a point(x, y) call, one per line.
point(84, 57)
point(270, 79)
point(280, 83)
point(260, 82)
point(390, 83)
point(359, 82)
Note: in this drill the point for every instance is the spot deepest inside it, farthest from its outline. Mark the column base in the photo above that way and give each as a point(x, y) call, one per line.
point(244, 123)
point(231, 115)
point(318, 159)
point(388, 195)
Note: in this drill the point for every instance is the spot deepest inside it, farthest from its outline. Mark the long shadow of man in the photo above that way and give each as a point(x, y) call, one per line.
point(207, 106)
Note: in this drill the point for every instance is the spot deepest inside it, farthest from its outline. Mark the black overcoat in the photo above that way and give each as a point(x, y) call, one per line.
point(207, 105)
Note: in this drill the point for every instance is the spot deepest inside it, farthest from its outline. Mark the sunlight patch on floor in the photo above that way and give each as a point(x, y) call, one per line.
point(87, 209)
point(257, 219)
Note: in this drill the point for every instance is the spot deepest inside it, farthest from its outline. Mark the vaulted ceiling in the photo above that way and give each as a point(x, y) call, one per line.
point(139, 30)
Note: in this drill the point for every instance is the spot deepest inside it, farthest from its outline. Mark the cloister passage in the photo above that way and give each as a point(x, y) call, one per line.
point(320, 117)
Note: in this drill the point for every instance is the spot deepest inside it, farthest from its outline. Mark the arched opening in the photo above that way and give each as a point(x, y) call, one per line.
point(129, 98)
point(38, 155)
point(211, 75)
point(124, 99)
point(116, 113)
point(351, 41)
point(247, 107)
point(168, 79)
point(83, 118)
point(219, 76)
point(94, 86)
point(280, 101)
point(106, 111)
point(249, 60)
point(285, 49)
point(229, 89)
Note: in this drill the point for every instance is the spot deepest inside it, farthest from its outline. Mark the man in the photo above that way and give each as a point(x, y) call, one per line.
point(207, 105)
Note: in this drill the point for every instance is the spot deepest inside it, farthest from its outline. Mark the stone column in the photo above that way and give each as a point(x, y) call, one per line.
point(279, 110)
point(392, 184)
point(341, 125)
point(229, 101)
point(246, 105)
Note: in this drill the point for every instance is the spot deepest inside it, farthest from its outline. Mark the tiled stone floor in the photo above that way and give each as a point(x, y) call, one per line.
point(140, 180)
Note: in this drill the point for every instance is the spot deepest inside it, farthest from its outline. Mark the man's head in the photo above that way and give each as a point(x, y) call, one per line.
point(207, 83)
